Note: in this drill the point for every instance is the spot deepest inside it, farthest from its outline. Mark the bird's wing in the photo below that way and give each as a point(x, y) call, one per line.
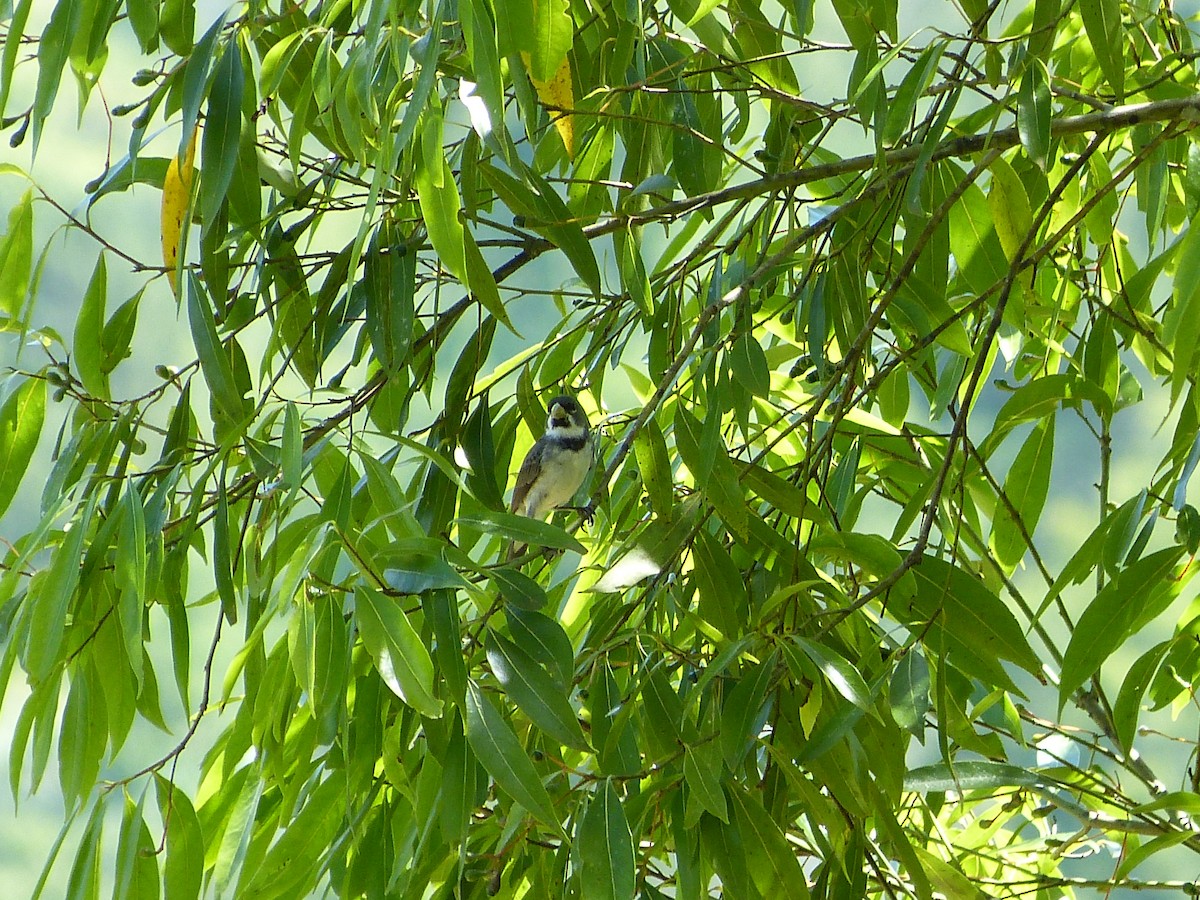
point(528, 474)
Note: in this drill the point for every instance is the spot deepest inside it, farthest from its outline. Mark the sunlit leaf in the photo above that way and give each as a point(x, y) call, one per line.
point(400, 656)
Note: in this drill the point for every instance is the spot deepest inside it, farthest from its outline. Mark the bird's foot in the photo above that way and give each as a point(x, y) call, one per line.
point(587, 513)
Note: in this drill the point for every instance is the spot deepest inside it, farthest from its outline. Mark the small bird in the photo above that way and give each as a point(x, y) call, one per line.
point(556, 464)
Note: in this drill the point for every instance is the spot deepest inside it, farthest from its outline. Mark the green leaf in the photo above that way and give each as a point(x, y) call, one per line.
point(83, 883)
point(223, 555)
point(606, 849)
point(908, 694)
point(418, 573)
point(1139, 593)
point(81, 741)
point(518, 589)
point(1178, 801)
point(968, 620)
point(1102, 23)
point(712, 472)
point(1009, 205)
point(545, 213)
point(143, 19)
point(459, 785)
point(702, 774)
point(1033, 113)
point(52, 52)
point(1128, 705)
point(482, 283)
point(1039, 399)
point(290, 865)
point(131, 577)
point(177, 22)
point(749, 365)
point(52, 600)
point(21, 419)
point(523, 530)
point(235, 841)
point(552, 34)
point(545, 640)
point(199, 61)
point(418, 103)
point(1181, 324)
point(440, 202)
point(534, 691)
point(222, 132)
point(16, 255)
point(214, 359)
point(977, 250)
point(136, 869)
point(1026, 486)
point(293, 448)
point(89, 326)
point(399, 654)
point(912, 88)
point(1044, 28)
point(389, 277)
point(840, 673)
point(742, 709)
point(496, 745)
point(13, 41)
point(118, 334)
point(772, 861)
point(974, 775)
point(654, 465)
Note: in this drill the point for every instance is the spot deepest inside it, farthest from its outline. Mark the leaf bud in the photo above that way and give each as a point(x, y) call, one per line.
point(18, 136)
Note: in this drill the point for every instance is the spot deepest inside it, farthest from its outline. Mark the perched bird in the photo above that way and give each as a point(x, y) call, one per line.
point(556, 464)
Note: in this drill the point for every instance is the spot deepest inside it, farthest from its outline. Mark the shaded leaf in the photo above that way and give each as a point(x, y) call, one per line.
point(534, 692)
point(497, 747)
point(605, 848)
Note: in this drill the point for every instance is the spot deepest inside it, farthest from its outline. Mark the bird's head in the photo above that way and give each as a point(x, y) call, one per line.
point(566, 419)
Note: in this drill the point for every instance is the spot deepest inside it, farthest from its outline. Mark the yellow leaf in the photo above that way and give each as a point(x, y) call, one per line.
point(557, 93)
point(177, 191)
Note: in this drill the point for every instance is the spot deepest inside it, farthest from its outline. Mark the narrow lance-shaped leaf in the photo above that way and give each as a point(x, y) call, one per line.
point(967, 619)
point(400, 656)
point(223, 555)
point(21, 419)
point(497, 747)
point(235, 841)
point(534, 692)
point(438, 196)
point(1033, 112)
point(53, 598)
point(605, 848)
point(183, 869)
point(52, 52)
point(1102, 23)
point(222, 132)
point(214, 359)
point(16, 256)
point(131, 576)
point(772, 861)
point(1026, 487)
point(89, 326)
point(1181, 326)
point(1138, 593)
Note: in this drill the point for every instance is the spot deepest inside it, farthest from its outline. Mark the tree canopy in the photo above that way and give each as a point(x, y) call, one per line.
point(833, 283)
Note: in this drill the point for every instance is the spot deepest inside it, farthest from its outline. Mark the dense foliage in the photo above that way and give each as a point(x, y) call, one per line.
point(831, 293)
